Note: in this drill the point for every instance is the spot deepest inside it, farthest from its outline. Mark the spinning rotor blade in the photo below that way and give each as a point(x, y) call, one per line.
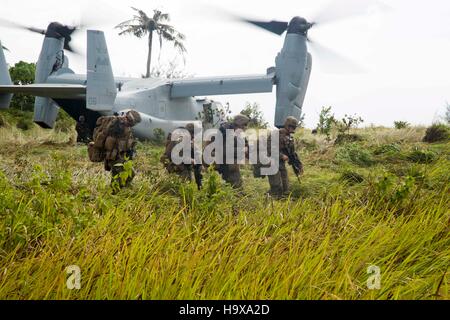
point(333, 62)
point(56, 30)
point(277, 27)
point(344, 9)
point(10, 24)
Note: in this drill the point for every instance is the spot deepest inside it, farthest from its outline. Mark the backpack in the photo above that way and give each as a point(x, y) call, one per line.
point(96, 148)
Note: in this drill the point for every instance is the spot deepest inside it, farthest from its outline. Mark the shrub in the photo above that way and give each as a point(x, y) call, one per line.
point(348, 122)
point(306, 144)
point(422, 156)
point(437, 132)
point(159, 136)
point(354, 153)
point(387, 148)
point(351, 177)
point(401, 124)
point(326, 121)
point(344, 138)
point(253, 111)
point(393, 189)
point(64, 123)
point(24, 123)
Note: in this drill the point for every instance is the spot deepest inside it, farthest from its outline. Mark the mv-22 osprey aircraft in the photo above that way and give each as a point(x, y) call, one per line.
point(162, 103)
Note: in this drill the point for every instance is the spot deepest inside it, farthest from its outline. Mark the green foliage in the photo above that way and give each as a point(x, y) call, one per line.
point(348, 122)
point(436, 133)
point(159, 136)
point(125, 174)
point(22, 73)
point(387, 148)
point(161, 238)
point(217, 115)
point(401, 125)
point(356, 154)
point(256, 116)
point(345, 138)
point(209, 201)
point(394, 190)
point(422, 156)
point(64, 122)
point(326, 121)
point(24, 123)
point(351, 176)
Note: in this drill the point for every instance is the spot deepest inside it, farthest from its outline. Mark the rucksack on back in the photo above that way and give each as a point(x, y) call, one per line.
point(96, 148)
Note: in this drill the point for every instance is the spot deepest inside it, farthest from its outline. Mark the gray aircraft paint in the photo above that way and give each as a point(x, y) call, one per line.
point(163, 103)
point(45, 109)
point(5, 79)
point(101, 88)
point(293, 67)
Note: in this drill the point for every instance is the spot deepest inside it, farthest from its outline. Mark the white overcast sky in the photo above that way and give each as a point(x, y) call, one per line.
point(405, 50)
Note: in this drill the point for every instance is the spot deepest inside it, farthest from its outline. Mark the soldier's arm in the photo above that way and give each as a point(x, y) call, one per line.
point(283, 135)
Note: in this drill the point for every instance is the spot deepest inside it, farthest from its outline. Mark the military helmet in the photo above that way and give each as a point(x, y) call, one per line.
point(291, 122)
point(133, 116)
point(190, 127)
point(241, 120)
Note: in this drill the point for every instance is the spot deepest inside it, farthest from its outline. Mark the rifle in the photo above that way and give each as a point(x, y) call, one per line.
point(198, 175)
point(294, 159)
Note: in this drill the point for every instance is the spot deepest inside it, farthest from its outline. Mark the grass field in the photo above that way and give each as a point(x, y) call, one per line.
point(383, 201)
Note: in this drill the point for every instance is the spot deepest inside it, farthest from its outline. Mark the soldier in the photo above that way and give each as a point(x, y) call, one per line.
point(183, 170)
point(279, 183)
point(84, 134)
point(231, 172)
point(115, 135)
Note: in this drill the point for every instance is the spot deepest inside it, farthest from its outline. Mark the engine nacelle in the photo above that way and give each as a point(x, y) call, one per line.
point(50, 60)
point(5, 79)
point(293, 69)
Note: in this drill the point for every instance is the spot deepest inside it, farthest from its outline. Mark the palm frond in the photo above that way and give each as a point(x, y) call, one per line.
point(124, 24)
point(164, 17)
point(175, 39)
point(137, 30)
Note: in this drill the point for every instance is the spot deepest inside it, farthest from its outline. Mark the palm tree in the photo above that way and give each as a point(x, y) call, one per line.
point(142, 24)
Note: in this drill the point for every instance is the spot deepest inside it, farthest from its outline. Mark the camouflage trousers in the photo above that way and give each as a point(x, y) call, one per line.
point(231, 173)
point(279, 182)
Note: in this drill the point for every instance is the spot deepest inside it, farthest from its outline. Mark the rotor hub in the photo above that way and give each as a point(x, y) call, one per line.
point(59, 31)
point(299, 25)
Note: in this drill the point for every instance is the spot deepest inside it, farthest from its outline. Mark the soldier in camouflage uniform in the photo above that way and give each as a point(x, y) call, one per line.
point(279, 183)
point(84, 134)
point(183, 170)
point(231, 172)
point(119, 145)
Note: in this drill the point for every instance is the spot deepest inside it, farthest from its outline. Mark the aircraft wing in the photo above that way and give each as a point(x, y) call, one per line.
point(57, 91)
point(221, 85)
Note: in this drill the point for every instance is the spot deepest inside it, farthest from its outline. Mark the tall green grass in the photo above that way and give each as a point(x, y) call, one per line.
point(163, 239)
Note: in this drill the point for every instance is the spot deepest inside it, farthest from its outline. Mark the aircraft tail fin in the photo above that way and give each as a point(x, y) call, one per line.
point(5, 79)
point(100, 88)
